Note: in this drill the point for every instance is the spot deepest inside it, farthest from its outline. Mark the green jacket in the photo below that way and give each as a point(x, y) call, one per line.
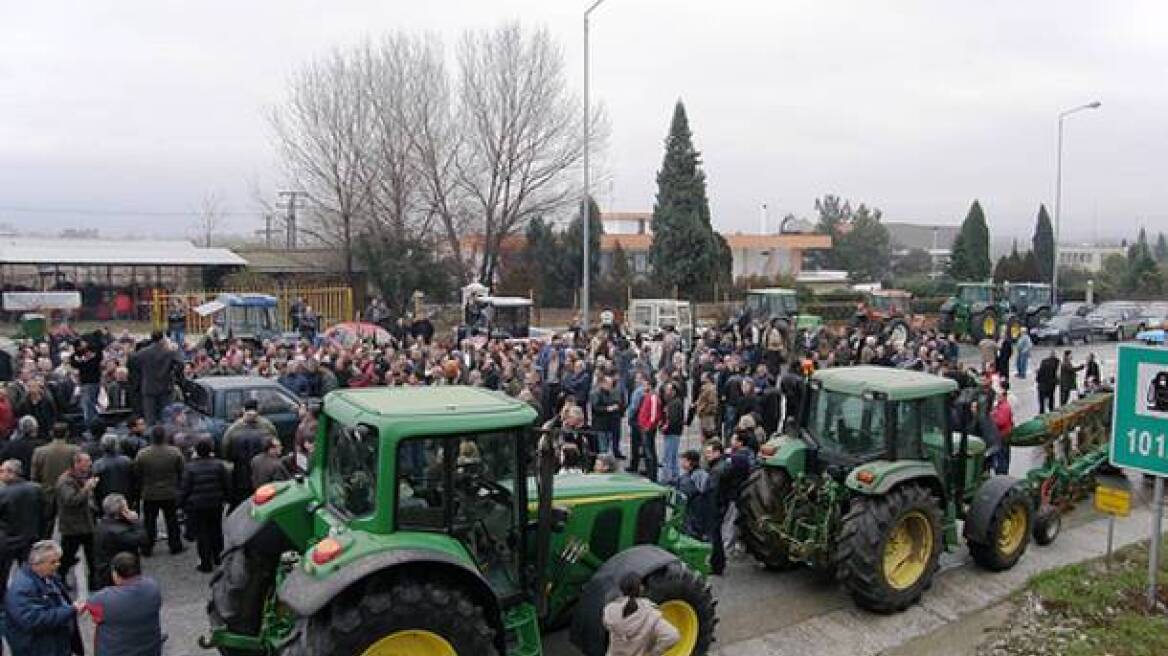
point(51, 460)
point(75, 505)
point(159, 469)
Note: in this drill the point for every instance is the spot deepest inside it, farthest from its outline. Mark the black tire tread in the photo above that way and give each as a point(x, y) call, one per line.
point(239, 588)
point(860, 547)
point(349, 626)
point(986, 555)
point(680, 582)
point(762, 496)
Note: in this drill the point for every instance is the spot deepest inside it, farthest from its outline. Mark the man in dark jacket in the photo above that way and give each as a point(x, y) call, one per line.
point(75, 499)
point(87, 359)
point(267, 467)
point(718, 502)
point(606, 414)
point(205, 488)
point(1047, 380)
point(158, 364)
point(158, 469)
point(23, 443)
point(21, 514)
point(1068, 378)
point(114, 471)
point(242, 442)
point(128, 614)
point(119, 531)
point(41, 618)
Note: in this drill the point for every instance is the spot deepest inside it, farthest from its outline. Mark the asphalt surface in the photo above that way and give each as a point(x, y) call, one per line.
point(752, 602)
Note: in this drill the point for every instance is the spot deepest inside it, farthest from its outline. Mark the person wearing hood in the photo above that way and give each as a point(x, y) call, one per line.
point(635, 625)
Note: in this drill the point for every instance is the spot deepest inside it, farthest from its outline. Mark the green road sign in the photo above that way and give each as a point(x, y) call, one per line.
point(1139, 424)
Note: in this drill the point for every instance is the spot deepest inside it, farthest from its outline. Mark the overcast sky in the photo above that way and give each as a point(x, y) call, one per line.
point(133, 110)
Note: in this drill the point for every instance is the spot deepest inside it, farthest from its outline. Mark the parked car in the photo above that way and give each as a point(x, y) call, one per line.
point(1116, 320)
point(1063, 329)
point(1154, 315)
point(219, 402)
point(1076, 308)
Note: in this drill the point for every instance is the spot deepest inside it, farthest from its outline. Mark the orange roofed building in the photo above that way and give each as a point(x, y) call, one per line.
point(766, 255)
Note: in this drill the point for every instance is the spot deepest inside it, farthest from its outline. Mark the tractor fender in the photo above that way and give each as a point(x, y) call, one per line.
point(981, 511)
point(306, 594)
point(888, 474)
point(261, 536)
point(587, 631)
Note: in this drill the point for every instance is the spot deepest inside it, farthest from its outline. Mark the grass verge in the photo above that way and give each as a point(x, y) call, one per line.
point(1088, 609)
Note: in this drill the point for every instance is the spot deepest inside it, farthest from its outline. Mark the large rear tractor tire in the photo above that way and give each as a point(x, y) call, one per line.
point(685, 601)
point(760, 502)
point(239, 588)
point(984, 324)
point(889, 548)
point(1014, 327)
point(1009, 533)
point(401, 617)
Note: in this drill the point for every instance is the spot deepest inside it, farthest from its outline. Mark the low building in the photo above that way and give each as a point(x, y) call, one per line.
point(1086, 257)
point(758, 255)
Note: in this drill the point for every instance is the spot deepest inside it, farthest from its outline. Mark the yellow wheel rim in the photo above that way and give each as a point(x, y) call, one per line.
point(684, 618)
point(1015, 331)
point(1012, 531)
point(411, 642)
point(907, 550)
point(989, 326)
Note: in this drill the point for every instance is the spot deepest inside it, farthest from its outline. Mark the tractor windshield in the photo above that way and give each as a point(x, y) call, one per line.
point(766, 305)
point(512, 320)
point(975, 294)
point(1022, 296)
point(847, 425)
point(889, 303)
point(351, 472)
point(250, 319)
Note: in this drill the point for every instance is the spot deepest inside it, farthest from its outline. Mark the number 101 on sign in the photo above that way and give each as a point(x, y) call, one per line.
point(1146, 444)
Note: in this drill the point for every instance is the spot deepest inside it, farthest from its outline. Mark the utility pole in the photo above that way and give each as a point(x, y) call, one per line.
point(291, 201)
point(267, 231)
point(1058, 195)
point(585, 202)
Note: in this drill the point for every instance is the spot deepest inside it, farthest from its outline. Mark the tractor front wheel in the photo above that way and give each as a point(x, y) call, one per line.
point(1008, 535)
point(685, 601)
point(403, 617)
point(761, 503)
point(1047, 525)
point(889, 548)
point(984, 324)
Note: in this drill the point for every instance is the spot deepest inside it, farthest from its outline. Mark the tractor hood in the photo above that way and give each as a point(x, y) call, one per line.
point(571, 489)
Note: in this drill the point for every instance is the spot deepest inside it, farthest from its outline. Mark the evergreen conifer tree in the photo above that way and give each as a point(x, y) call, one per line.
point(970, 258)
point(686, 253)
point(1043, 245)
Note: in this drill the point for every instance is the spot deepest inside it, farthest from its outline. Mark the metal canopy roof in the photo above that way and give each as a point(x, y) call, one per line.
point(42, 251)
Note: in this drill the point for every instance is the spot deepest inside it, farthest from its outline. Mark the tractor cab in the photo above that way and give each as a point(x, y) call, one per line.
point(975, 292)
point(890, 302)
point(497, 317)
point(772, 303)
point(249, 317)
point(1027, 305)
point(437, 515)
point(886, 311)
point(973, 312)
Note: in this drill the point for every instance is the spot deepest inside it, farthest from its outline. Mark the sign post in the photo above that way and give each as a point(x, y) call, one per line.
point(1113, 497)
point(1139, 432)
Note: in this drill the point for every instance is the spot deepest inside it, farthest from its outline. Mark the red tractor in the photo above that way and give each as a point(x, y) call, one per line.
point(888, 312)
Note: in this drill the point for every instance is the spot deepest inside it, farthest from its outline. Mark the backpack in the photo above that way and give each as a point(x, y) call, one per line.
point(649, 414)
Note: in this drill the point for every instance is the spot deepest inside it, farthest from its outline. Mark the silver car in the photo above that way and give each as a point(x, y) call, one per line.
point(1116, 320)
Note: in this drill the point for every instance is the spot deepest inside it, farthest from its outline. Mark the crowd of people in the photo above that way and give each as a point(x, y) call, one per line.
point(94, 447)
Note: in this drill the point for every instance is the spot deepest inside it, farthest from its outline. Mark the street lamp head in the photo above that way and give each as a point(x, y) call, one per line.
point(1095, 105)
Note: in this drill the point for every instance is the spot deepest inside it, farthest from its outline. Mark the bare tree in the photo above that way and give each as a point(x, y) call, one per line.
point(323, 130)
point(522, 133)
point(210, 218)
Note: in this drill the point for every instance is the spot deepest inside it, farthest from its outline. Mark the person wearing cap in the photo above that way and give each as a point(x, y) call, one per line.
point(242, 442)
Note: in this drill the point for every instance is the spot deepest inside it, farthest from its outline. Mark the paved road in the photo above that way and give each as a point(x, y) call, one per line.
point(752, 602)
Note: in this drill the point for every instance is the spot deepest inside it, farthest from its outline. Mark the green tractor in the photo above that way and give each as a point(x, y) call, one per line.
point(1028, 305)
point(874, 487)
point(974, 312)
point(432, 524)
point(764, 305)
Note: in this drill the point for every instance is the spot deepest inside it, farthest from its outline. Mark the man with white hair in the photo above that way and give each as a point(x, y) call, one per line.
point(41, 618)
point(23, 442)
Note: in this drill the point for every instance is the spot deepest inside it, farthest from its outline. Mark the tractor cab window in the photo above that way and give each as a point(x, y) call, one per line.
point(975, 294)
point(248, 319)
point(771, 305)
point(907, 432)
point(351, 473)
point(462, 485)
point(847, 425)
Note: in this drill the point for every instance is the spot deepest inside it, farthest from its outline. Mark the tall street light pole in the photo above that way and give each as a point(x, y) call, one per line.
point(1058, 194)
point(585, 217)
